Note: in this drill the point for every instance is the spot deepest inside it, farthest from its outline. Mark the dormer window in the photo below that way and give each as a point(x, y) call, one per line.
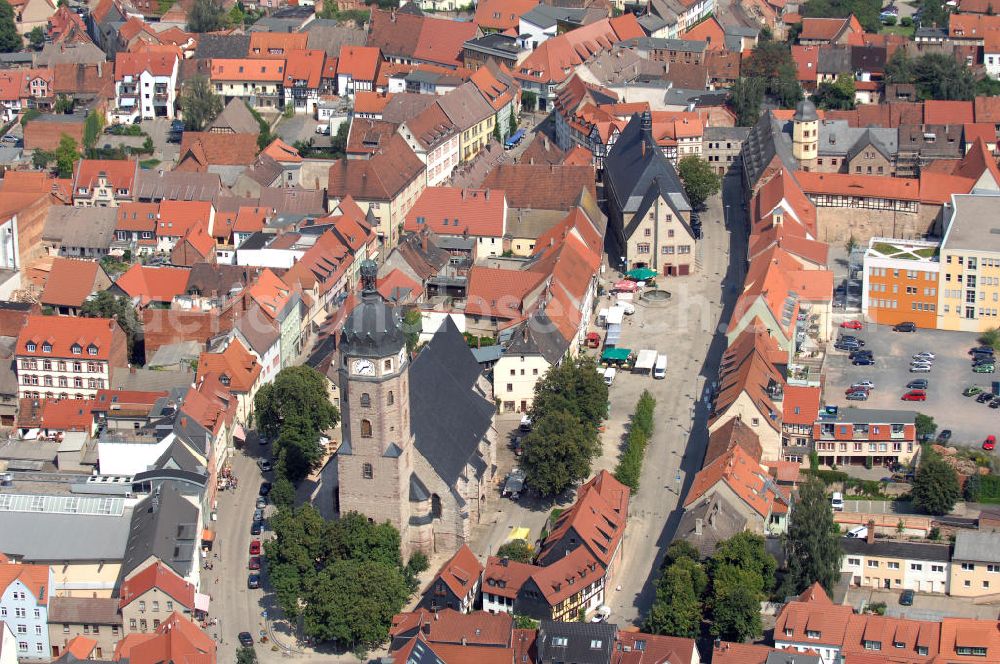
point(812, 634)
point(91, 349)
point(76, 349)
point(30, 346)
point(46, 347)
point(224, 379)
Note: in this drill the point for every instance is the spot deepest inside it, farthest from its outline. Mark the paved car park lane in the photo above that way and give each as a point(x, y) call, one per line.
point(969, 421)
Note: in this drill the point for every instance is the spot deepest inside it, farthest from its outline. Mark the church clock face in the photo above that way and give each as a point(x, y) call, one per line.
point(402, 356)
point(364, 367)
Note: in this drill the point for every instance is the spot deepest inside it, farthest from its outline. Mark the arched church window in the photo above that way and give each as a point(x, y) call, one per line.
point(435, 506)
point(390, 399)
point(366, 401)
point(366, 429)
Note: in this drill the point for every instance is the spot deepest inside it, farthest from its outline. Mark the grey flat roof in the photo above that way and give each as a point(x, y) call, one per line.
point(977, 546)
point(45, 537)
point(890, 549)
point(871, 416)
point(974, 224)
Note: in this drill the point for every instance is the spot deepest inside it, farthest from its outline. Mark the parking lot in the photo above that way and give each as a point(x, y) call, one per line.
point(926, 606)
point(970, 422)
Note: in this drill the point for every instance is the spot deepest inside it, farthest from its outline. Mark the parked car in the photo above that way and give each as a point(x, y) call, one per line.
point(925, 355)
point(864, 383)
point(944, 436)
point(917, 384)
point(990, 443)
point(847, 345)
point(513, 485)
point(852, 324)
point(995, 403)
point(906, 598)
point(905, 327)
point(837, 501)
point(982, 349)
point(323, 129)
point(985, 397)
point(264, 464)
point(265, 488)
point(853, 390)
point(971, 391)
point(851, 338)
point(860, 353)
point(920, 368)
point(857, 396)
point(255, 547)
point(254, 562)
point(863, 361)
point(256, 528)
point(517, 446)
point(245, 639)
point(859, 532)
point(253, 581)
point(915, 395)
point(984, 368)
point(258, 516)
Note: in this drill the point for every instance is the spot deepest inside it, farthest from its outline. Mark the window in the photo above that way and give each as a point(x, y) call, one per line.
point(893, 565)
point(595, 644)
point(366, 400)
point(872, 645)
point(937, 568)
point(92, 350)
point(916, 567)
point(968, 567)
point(812, 634)
point(642, 248)
point(560, 641)
point(921, 650)
point(993, 568)
point(367, 472)
point(156, 607)
point(131, 624)
point(854, 561)
point(170, 606)
point(366, 429)
point(76, 349)
point(873, 563)
point(38, 630)
point(387, 365)
point(970, 651)
point(22, 646)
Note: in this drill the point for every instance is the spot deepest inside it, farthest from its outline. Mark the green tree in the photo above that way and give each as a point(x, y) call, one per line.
point(282, 491)
point(772, 63)
point(63, 104)
point(297, 395)
point(680, 549)
point(925, 426)
point(987, 87)
point(10, 41)
point(936, 76)
point(933, 13)
point(40, 159)
point(412, 325)
point(92, 127)
point(700, 180)
point(529, 100)
point(246, 656)
point(991, 337)
point(107, 305)
point(812, 545)
point(746, 551)
point(338, 144)
point(557, 452)
point(36, 38)
point(206, 16)
point(746, 97)
point(736, 599)
point(866, 11)
point(851, 244)
point(352, 537)
point(512, 125)
point(517, 550)
point(199, 103)
point(935, 488)
point(574, 387)
point(677, 608)
point(298, 451)
point(31, 113)
point(837, 95)
point(497, 136)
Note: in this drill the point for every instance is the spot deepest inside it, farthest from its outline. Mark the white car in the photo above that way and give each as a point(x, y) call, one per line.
point(627, 307)
point(323, 129)
point(925, 356)
point(867, 384)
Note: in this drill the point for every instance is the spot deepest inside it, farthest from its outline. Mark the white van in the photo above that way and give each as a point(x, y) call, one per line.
point(609, 376)
point(861, 532)
point(660, 368)
point(837, 502)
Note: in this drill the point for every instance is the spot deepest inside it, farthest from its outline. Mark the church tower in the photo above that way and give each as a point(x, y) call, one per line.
point(375, 460)
point(805, 134)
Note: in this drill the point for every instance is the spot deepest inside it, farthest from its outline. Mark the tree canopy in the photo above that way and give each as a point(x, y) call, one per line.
point(812, 545)
point(700, 180)
point(772, 63)
point(866, 11)
point(677, 609)
point(574, 387)
point(935, 75)
point(199, 104)
point(517, 550)
point(10, 41)
point(344, 578)
point(935, 487)
point(67, 154)
point(206, 16)
point(557, 452)
point(838, 95)
point(746, 97)
point(108, 305)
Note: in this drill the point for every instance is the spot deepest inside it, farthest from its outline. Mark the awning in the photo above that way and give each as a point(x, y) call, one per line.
point(629, 286)
point(519, 534)
point(208, 535)
point(641, 273)
point(615, 354)
point(201, 602)
point(239, 432)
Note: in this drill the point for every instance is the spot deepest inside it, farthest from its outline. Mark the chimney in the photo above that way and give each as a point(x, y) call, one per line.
point(697, 527)
point(423, 242)
point(643, 149)
point(871, 531)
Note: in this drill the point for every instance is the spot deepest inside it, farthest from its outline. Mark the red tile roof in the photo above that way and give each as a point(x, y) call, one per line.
point(211, 149)
point(461, 573)
point(153, 284)
point(34, 577)
point(70, 282)
point(137, 217)
point(235, 363)
point(176, 640)
point(541, 186)
point(597, 520)
point(733, 432)
point(806, 62)
point(556, 58)
point(948, 112)
point(270, 293)
point(57, 414)
point(827, 29)
point(266, 71)
point(303, 65)
point(380, 178)
point(801, 405)
point(361, 62)
point(816, 613)
point(157, 63)
point(501, 15)
point(456, 211)
point(282, 152)
point(176, 218)
point(845, 184)
point(744, 476)
point(63, 332)
point(450, 626)
point(264, 44)
point(499, 293)
point(81, 647)
point(121, 174)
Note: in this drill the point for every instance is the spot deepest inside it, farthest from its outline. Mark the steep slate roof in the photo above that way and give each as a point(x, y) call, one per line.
point(236, 117)
point(164, 525)
point(448, 422)
point(733, 433)
point(720, 520)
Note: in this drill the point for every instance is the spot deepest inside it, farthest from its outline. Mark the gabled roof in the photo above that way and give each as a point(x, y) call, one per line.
point(449, 626)
point(541, 186)
point(161, 62)
point(744, 476)
point(159, 576)
point(303, 68)
point(120, 174)
point(596, 520)
point(948, 112)
point(501, 14)
point(499, 293)
point(153, 284)
point(747, 369)
point(556, 58)
point(423, 38)
point(270, 293)
point(380, 178)
point(235, 364)
point(456, 211)
point(70, 282)
point(360, 62)
point(273, 44)
point(176, 640)
point(734, 432)
point(461, 573)
point(34, 577)
point(215, 149)
point(242, 69)
point(827, 29)
point(62, 333)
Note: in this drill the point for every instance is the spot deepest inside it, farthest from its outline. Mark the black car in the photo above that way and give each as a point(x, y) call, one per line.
point(859, 353)
point(983, 360)
point(906, 598)
point(245, 639)
point(845, 345)
point(981, 349)
point(944, 436)
point(863, 361)
point(984, 397)
point(256, 528)
point(253, 581)
point(850, 338)
point(265, 488)
point(918, 384)
point(904, 327)
point(995, 403)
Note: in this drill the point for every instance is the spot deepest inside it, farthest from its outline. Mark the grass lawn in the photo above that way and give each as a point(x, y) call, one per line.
point(149, 164)
point(898, 30)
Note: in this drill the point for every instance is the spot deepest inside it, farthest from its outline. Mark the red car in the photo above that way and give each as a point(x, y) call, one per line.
point(254, 547)
point(852, 324)
point(990, 443)
point(857, 388)
point(915, 395)
point(254, 563)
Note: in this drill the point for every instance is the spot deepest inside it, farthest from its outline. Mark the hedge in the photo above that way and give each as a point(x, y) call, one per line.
point(983, 489)
point(629, 466)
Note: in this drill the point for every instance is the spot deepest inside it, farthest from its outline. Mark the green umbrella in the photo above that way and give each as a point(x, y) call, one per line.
point(641, 274)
